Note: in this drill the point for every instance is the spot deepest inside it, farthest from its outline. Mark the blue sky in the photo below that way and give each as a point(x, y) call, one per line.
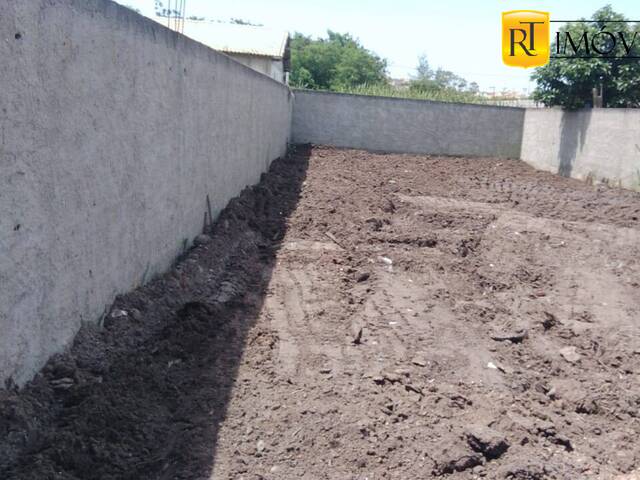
point(462, 36)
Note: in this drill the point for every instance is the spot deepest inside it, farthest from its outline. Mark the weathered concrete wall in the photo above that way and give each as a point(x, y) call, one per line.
point(602, 143)
point(410, 126)
point(113, 130)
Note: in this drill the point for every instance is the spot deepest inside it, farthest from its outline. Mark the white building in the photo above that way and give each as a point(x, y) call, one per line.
point(260, 48)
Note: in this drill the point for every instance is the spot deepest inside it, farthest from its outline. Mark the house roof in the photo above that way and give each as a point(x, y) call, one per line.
point(235, 38)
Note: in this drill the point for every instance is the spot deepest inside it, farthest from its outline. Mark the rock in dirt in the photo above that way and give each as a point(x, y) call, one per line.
point(487, 441)
point(549, 321)
point(114, 317)
point(419, 361)
point(386, 260)
point(588, 406)
point(136, 314)
point(62, 383)
point(376, 223)
point(260, 447)
point(391, 377)
point(413, 388)
point(357, 330)
point(499, 366)
point(455, 458)
point(570, 354)
point(513, 336)
point(201, 239)
point(363, 277)
point(388, 206)
point(119, 314)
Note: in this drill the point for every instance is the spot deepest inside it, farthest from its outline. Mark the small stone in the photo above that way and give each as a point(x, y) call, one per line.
point(62, 383)
point(549, 321)
point(386, 260)
point(391, 377)
point(376, 223)
point(546, 428)
point(570, 354)
point(587, 406)
point(260, 446)
point(505, 368)
point(412, 388)
point(388, 206)
point(516, 336)
point(357, 330)
point(201, 239)
point(419, 361)
point(119, 314)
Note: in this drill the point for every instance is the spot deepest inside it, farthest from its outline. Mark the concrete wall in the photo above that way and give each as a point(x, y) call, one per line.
point(113, 130)
point(411, 126)
point(273, 67)
point(602, 143)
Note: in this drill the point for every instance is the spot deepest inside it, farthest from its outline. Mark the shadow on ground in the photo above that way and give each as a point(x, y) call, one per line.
point(143, 397)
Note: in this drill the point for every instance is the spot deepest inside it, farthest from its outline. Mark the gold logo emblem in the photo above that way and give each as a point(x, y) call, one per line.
point(525, 38)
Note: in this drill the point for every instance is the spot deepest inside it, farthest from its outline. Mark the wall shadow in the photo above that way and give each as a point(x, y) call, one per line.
point(573, 129)
point(143, 398)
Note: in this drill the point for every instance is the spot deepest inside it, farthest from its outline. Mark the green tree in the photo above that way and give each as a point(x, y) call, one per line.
point(439, 81)
point(569, 82)
point(337, 62)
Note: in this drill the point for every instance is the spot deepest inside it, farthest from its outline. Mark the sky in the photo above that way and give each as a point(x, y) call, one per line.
point(462, 36)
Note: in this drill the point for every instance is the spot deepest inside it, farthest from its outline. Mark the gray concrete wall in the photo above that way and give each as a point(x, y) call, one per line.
point(601, 143)
point(273, 67)
point(113, 130)
point(410, 126)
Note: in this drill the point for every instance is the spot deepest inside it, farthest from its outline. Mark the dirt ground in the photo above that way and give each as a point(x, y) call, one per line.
point(363, 316)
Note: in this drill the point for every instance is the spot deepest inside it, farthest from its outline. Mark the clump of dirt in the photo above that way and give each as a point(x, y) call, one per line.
point(360, 315)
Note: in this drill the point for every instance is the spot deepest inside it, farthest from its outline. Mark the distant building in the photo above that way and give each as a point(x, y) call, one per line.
point(400, 83)
point(260, 48)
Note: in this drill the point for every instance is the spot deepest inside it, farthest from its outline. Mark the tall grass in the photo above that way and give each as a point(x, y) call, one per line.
point(445, 95)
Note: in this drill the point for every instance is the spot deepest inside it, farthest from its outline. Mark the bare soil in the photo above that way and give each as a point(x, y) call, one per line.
point(363, 316)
